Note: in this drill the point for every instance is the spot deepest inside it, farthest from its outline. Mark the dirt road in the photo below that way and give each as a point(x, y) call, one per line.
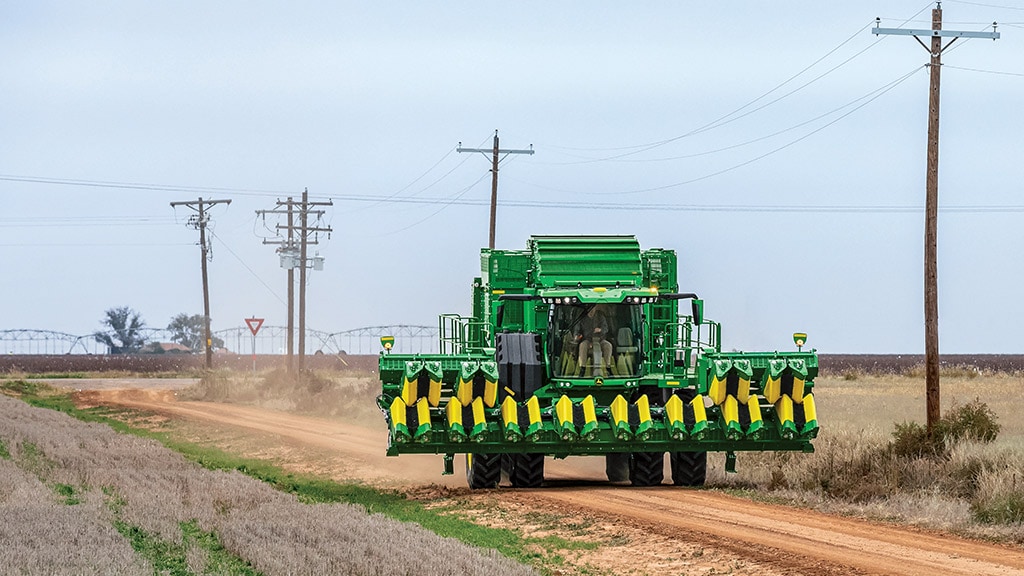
point(669, 530)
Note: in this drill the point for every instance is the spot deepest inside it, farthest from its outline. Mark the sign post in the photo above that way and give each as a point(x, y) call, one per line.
point(254, 327)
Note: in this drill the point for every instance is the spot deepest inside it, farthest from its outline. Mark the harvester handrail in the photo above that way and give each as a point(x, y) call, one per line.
point(681, 342)
point(454, 334)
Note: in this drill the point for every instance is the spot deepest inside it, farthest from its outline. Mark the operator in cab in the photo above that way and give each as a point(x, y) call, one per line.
point(592, 329)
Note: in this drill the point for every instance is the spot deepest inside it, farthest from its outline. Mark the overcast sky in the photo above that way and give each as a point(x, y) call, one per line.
point(778, 147)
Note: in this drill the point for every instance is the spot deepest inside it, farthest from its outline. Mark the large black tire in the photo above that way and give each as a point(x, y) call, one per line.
point(527, 470)
point(616, 466)
point(483, 470)
point(647, 468)
point(688, 468)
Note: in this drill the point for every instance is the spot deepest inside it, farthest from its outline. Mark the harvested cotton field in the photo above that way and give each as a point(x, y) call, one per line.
point(77, 498)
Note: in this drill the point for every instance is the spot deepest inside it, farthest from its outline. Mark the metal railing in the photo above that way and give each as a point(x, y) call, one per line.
point(461, 334)
point(678, 345)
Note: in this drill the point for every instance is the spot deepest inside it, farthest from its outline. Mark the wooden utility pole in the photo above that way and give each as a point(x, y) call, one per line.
point(496, 157)
point(199, 221)
point(290, 365)
point(294, 255)
point(931, 210)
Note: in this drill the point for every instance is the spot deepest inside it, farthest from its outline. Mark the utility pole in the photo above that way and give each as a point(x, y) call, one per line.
point(495, 153)
point(294, 254)
point(199, 220)
point(288, 252)
point(931, 289)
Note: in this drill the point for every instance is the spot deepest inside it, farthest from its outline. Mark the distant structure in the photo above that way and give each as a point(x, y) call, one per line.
point(271, 340)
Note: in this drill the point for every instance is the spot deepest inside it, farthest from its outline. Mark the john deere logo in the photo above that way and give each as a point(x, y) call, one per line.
point(388, 342)
point(799, 339)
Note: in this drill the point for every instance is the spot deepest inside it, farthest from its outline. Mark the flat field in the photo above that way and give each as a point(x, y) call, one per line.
point(842, 510)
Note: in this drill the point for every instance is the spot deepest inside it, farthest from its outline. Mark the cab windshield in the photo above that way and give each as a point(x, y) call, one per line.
point(595, 340)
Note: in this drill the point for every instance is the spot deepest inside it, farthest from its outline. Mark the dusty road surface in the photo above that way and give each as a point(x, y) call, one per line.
point(662, 530)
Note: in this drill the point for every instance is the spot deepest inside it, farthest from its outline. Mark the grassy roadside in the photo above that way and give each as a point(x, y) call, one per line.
point(544, 553)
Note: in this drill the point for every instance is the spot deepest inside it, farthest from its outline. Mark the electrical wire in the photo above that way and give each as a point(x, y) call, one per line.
point(780, 148)
point(987, 5)
point(773, 134)
point(140, 186)
point(983, 71)
point(731, 116)
point(713, 123)
point(445, 204)
point(246, 266)
point(649, 207)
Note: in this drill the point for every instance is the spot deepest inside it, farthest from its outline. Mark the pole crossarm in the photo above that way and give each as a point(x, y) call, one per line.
point(495, 152)
point(935, 33)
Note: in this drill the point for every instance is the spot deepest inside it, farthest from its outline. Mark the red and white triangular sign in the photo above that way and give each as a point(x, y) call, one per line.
point(254, 324)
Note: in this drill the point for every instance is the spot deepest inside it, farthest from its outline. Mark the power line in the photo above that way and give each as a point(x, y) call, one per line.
point(138, 185)
point(987, 5)
point(715, 123)
point(731, 116)
point(983, 71)
point(246, 266)
point(456, 199)
point(773, 151)
point(757, 208)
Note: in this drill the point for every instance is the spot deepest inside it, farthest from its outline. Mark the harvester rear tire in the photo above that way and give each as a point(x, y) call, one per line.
point(527, 470)
point(647, 468)
point(616, 466)
point(483, 470)
point(688, 468)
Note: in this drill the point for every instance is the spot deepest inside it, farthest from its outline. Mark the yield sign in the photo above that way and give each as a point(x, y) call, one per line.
point(254, 324)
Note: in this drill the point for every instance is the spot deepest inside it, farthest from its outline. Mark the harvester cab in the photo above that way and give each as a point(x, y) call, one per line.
point(576, 347)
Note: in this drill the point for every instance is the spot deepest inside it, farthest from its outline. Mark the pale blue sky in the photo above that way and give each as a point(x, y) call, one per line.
point(357, 100)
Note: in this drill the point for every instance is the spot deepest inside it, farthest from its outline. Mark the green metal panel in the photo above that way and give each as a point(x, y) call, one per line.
point(586, 260)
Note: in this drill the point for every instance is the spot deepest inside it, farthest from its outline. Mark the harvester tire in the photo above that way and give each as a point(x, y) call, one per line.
point(647, 468)
point(483, 470)
point(527, 470)
point(616, 466)
point(688, 468)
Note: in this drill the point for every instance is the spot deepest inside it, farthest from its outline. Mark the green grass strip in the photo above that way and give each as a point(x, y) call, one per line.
point(169, 558)
point(218, 559)
point(166, 557)
point(311, 489)
point(4, 452)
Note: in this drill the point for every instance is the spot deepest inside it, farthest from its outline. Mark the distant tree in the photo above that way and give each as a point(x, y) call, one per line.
point(190, 331)
point(123, 334)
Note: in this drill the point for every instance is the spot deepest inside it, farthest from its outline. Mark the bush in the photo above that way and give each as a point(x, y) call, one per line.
point(972, 421)
point(910, 440)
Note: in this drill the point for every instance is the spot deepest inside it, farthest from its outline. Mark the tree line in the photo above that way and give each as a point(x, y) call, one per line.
point(125, 326)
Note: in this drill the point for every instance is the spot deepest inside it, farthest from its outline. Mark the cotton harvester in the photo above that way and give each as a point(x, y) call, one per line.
point(576, 347)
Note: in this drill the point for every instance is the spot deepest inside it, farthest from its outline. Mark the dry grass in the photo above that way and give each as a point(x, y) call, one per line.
point(969, 487)
point(143, 488)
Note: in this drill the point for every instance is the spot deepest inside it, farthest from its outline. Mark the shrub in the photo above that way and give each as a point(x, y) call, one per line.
point(910, 440)
point(972, 421)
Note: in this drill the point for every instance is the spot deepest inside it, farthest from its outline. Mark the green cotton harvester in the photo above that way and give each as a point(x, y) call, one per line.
point(576, 347)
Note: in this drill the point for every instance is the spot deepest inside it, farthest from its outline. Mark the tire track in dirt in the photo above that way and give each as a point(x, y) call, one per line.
point(786, 540)
point(801, 539)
